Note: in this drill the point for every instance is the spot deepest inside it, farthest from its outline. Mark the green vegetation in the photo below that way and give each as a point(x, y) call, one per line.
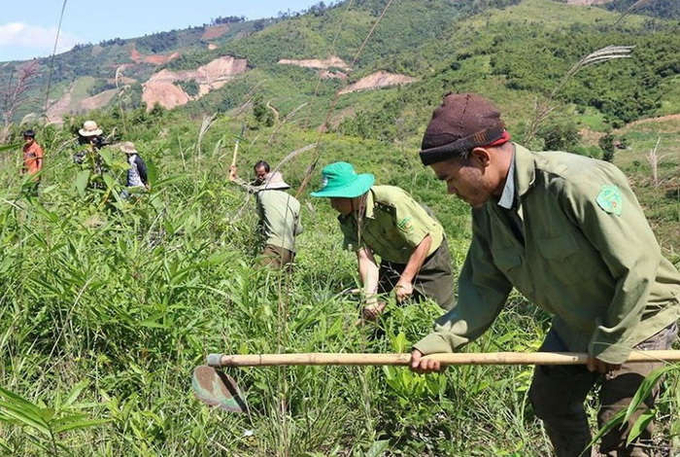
point(665, 9)
point(190, 87)
point(128, 298)
point(107, 305)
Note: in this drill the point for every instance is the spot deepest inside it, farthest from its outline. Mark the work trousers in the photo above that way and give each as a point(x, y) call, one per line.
point(434, 280)
point(276, 257)
point(558, 392)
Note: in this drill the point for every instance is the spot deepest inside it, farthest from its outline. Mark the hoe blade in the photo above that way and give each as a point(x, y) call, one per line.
point(216, 388)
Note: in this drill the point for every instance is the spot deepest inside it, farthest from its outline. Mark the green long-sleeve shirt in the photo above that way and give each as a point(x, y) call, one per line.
point(392, 227)
point(585, 253)
point(279, 221)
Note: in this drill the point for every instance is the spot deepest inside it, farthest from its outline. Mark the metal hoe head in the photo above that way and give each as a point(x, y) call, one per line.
point(215, 388)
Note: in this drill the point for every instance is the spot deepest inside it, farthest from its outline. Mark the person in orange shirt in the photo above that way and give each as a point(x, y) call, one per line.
point(33, 157)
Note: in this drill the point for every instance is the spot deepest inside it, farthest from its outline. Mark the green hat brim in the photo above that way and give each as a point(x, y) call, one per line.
point(359, 186)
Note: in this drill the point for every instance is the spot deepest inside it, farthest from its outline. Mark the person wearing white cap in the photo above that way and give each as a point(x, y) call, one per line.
point(279, 218)
point(137, 175)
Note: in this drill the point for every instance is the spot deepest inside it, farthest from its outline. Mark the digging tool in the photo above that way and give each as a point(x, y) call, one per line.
point(238, 140)
point(215, 388)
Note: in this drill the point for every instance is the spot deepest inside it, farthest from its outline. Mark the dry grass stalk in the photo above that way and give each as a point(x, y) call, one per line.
point(288, 117)
point(205, 126)
point(294, 154)
point(325, 124)
point(654, 160)
point(633, 7)
point(249, 99)
point(544, 109)
point(15, 94)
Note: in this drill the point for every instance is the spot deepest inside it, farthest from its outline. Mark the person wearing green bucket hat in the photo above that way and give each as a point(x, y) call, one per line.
point(387, 221)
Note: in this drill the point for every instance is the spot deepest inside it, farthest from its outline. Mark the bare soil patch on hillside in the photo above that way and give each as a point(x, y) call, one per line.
point(377, 80)
point(214, 31)
point(326, 74)
point(153, 59)
point(325, 64)
point(61, 107)
point(99, 100)
point(67, 104)
point(671, 120)
point(161, 87)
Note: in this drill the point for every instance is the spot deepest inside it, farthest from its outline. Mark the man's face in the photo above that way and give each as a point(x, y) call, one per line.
point(28, 140)
point(467, 179)
point(260, 174)
point(342, 205)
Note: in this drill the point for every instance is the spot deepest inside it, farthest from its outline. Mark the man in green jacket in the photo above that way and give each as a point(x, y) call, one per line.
point(387, 221)
point(568, 233)
point(279, 216)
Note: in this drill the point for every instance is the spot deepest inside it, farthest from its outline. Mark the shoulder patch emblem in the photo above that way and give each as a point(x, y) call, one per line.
point(405, 225)
point(610, 199)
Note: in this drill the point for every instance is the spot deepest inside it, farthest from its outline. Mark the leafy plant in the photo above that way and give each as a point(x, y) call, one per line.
point(45, 425)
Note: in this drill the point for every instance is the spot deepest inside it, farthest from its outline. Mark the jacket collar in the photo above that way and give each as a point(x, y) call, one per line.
point(525, 169)
point(370, 204)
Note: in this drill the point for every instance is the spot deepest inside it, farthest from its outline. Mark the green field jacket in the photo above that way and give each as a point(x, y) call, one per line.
point(393, 226)
point(279, 214)
point(587, 256)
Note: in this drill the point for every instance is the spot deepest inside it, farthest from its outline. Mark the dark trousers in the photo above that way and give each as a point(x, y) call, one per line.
point(276, 257)
point(434, 280)
point(557, 393)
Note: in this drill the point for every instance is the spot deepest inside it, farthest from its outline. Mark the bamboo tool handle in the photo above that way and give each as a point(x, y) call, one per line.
point(238, 140)
point(486, 358)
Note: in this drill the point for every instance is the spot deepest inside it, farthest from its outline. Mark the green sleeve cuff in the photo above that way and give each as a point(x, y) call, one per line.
point(613, 353)
point(432, 344)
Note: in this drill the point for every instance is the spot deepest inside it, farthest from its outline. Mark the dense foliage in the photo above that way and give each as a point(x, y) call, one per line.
point(107, 305)
point(665, 9)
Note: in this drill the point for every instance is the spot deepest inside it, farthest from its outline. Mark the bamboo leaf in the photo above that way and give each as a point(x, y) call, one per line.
point(378, 448)
point(80, 424)
point(24, 416)
point(644, 391)
point(18, 400)
point(640, 425)
point(613, 422)
point(75, 392)
point(82, 178)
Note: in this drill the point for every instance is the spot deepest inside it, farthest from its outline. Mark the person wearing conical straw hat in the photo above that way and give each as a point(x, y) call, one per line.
point(90, 129)
point(137, 175)
point(568, 233)
point(90, 134)
point(279, 221)
point(387, 221)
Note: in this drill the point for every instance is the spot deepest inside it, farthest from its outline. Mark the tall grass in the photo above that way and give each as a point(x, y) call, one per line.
point(121, 300)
